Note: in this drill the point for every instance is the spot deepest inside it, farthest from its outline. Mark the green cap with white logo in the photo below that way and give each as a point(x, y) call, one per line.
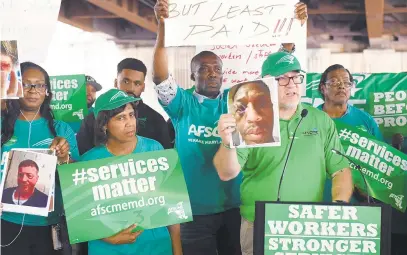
point(112, 99)
point(280, 63)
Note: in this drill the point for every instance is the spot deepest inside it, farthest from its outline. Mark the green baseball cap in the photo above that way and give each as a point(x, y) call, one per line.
point(280, 63)
point(112, 99)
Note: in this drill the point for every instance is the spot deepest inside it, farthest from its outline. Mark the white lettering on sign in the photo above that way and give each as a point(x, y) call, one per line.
point(60, 88)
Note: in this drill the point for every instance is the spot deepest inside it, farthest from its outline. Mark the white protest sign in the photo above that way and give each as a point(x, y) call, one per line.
point(32, 23)
point(243, 63)
point(215, 22)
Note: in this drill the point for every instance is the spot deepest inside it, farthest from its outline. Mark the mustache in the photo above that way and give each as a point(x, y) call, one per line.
point(249, 128)
point(131, 94)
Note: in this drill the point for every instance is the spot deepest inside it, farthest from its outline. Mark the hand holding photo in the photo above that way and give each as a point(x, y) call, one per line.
point(10, 80)
point(27, 182)
point(254, 105)
point(52, 194)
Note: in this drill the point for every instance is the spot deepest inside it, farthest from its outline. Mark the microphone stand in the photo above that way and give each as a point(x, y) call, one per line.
point(304, 113)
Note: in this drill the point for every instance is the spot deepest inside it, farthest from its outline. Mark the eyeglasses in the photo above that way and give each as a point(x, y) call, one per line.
point(284, 81)
point(38, 87)
point(337, 84)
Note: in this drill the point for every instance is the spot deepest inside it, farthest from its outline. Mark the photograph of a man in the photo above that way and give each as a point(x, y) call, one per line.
point(252, 105)
point(25, 193)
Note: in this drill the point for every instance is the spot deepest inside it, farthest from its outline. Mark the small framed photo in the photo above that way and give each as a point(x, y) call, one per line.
point(28, 181)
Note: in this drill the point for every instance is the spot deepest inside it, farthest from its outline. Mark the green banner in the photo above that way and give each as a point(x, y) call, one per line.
point(383, 95)
point(383, 166)
point(108, 195)
point(69, 102)
point(321, 229)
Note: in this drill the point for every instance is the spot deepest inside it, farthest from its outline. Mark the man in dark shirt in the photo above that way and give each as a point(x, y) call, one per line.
point(131, 75)
point(25, 193)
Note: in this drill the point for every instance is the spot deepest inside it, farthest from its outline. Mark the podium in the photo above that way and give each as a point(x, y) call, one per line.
point(293, 228)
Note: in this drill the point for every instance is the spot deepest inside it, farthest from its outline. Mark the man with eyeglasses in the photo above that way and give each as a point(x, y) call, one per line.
point(309, 164)
point(335, 87)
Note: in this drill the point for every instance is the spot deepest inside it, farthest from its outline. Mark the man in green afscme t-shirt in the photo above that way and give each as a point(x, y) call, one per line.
point(311, 160)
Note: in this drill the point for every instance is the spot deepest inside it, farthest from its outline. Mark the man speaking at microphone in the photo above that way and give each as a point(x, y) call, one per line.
point(312, 134)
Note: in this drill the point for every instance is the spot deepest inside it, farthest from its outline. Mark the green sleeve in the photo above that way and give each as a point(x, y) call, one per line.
point(242, 156)
point(333, 162)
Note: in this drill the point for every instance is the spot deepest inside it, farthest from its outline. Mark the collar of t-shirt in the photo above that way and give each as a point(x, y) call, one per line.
point(18, 201)
point(201, 98)
point(348, 110)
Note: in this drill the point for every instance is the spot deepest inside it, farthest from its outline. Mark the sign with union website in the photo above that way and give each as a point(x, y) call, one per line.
point(109, 195)
point(69, 99)
point(383, 166)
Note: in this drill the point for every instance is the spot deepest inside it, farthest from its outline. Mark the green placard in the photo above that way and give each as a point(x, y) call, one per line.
point(383, 166)
point(300, 229)
point(382, 95)
point(69, 102)
point(103, 197)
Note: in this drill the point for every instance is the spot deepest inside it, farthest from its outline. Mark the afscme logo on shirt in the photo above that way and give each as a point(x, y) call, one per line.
point(203, 131)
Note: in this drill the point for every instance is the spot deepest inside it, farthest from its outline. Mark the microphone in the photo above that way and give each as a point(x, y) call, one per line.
point(304, 113)
point(358, 168)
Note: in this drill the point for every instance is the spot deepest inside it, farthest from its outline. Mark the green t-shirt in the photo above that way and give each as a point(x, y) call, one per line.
point(197, 140)
point(151, 241)
point(37, 136)
point(310, 162)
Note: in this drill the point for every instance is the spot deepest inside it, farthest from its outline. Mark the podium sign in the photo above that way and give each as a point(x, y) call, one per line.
point(321, 229)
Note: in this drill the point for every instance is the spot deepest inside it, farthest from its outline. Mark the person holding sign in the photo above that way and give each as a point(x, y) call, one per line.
point(29, 123)
point(335, 87)
point(214, 203)
point(262, 168)
point(116, 127)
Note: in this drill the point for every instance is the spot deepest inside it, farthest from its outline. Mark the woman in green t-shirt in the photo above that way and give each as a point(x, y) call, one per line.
point(115, 133)
point(29, 123)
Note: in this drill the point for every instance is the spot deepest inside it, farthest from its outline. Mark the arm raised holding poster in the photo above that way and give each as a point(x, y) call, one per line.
point(160, 63)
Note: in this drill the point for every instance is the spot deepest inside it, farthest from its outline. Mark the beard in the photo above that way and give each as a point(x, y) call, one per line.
point(288, 106)
point(90, 104)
